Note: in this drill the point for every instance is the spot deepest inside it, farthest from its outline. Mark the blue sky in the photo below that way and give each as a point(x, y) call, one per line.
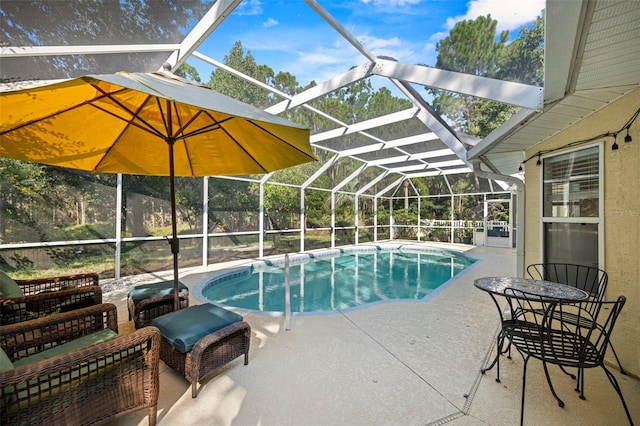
point(289, 36)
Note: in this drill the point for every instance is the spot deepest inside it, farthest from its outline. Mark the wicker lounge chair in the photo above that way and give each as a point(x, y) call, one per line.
point(21, 300)
point(54, 372)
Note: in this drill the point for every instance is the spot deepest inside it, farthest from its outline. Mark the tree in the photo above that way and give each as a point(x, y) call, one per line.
point(470, 48)
point(473, 47)
point(23, 185)
point(523, 59)
point(189, 72)
point(228, 84)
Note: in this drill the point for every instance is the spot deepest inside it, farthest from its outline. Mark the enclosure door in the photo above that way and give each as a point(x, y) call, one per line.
point(498, 223)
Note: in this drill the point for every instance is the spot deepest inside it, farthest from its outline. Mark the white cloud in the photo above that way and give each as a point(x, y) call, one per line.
point(374, 43)
point(308, 58)
point(270, 23)
point(249, 8)
point(393, 47)
point(510, 14)
point(323, 63)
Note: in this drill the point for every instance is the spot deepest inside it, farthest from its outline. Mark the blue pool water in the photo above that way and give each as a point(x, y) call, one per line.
point(337, 282)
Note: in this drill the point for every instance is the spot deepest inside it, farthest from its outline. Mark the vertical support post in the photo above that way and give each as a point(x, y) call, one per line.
point(375, 219)
point(356, 214)
point(261, 222)
point(205, 221)
point(486, 220)
point(391, 233)
point(261, 208)
point(287, 294)
point(406, 194)
point(303, 219)
point(333, 219)
point(419, 233)
point(453, 207)
point(510, 220)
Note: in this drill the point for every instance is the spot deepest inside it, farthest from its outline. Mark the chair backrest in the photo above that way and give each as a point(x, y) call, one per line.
point(600, 335)
point(592, 280)
point(562, 333)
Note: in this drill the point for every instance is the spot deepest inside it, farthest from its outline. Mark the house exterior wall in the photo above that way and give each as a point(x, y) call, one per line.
point(621, 214)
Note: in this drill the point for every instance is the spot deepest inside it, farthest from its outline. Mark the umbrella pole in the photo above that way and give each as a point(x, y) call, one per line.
point(175, 243)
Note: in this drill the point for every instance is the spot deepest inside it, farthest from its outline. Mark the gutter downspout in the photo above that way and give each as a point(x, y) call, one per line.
point(477, 168)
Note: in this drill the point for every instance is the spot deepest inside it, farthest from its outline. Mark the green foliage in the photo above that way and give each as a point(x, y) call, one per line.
point(230, 85)
point(405, 223)
point(189, 72)
point(231, 204)
point(523, 59)
point(317, 208)
point(473, 47)
point(91, 231)
point(345, 212)
point(189, 200)
point(282, 206)
point(383, 214)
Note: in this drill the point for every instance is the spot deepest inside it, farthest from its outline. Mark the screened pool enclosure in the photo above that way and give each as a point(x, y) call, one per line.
point(120, 224)
point(389, 166)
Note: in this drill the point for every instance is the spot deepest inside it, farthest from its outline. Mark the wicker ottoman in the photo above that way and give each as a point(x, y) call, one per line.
point(148, 301)
point(200, 339)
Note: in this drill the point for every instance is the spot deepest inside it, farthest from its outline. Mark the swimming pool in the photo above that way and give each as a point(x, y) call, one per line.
point(337, 279)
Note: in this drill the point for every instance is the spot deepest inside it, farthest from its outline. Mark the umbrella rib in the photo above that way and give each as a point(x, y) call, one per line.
point(134, 115)
point(243, 148)
point(219, 126)
point(178, 134)
point(76, 106)
point(281, 140)
point(147, 127)
point(206, 129)
point(184, 137)
point(191, 120)
point(165, 121)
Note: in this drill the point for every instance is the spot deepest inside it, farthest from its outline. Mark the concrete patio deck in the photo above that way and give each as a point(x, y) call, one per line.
point(397, 363)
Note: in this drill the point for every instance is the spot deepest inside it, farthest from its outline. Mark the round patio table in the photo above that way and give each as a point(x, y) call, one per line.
point(543, 289)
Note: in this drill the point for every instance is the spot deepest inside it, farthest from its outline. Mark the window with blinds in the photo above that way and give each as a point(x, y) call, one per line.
point(571, 184)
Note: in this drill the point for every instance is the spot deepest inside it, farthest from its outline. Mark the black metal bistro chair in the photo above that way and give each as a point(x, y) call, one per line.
point(592, 280)
point(546, 334)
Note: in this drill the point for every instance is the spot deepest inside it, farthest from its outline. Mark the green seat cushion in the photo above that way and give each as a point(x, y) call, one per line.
point(8, 287)
point(5, 361)
point(79, 380)
point(79, 343)
point(147, 291)
point(183, 329)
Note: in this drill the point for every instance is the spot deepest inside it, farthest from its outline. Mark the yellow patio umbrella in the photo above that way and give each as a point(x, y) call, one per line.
point(147, 124)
